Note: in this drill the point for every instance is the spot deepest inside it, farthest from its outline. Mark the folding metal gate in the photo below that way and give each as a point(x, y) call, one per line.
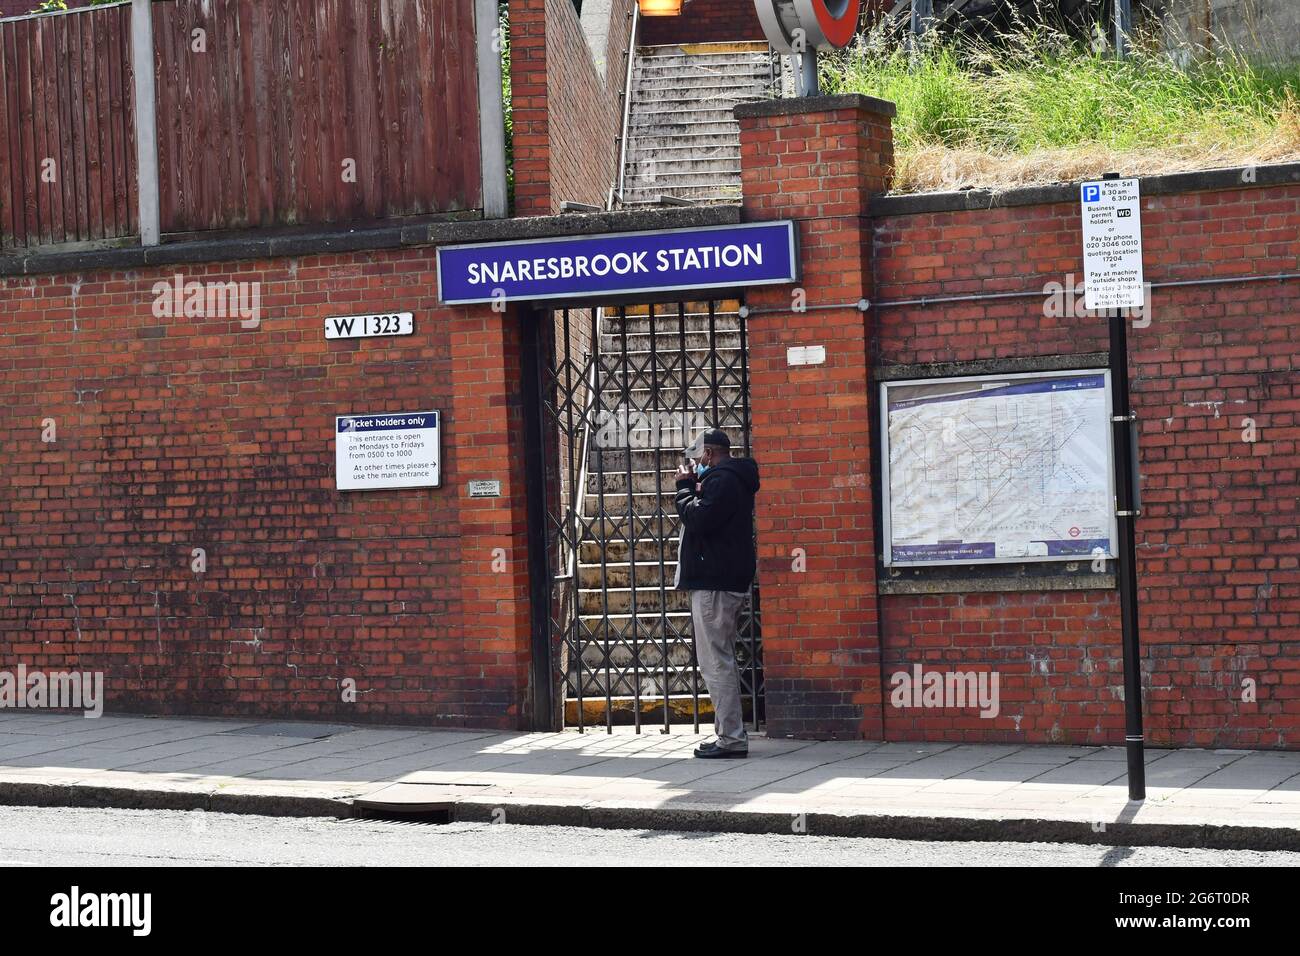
point(622, 392)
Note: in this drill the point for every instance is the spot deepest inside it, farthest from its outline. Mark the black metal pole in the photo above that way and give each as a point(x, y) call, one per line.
point(542, 715)
point(1124, 434)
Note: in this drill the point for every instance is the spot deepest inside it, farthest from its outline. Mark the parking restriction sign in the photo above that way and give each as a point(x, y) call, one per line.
point(1112, 244)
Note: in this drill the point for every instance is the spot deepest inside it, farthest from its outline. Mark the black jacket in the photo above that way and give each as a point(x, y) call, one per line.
point(717, 546)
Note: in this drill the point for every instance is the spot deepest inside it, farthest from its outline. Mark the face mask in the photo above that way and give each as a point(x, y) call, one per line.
point(700, 470)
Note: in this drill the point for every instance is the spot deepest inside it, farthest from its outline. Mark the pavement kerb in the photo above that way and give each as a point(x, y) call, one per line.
point(528, 812)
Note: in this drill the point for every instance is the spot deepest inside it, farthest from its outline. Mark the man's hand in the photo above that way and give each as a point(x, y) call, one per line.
point(683, 472)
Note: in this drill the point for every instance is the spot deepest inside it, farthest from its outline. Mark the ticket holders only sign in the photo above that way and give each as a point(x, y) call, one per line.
point(712, 257)
point(391, 450)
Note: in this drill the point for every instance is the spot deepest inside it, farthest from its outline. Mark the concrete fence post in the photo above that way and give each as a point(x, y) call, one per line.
point(146, 122)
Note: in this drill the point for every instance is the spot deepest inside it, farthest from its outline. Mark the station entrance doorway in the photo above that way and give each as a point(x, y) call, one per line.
point(617, 393)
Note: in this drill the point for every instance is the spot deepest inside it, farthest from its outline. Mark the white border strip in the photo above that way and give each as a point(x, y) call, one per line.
point(886, 543)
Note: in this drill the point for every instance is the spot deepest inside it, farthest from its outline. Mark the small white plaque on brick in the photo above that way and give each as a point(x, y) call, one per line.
point(806, 355)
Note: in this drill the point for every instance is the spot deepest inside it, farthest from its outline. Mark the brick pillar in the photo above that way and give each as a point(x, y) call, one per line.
point(486, 423)
point(817, 160)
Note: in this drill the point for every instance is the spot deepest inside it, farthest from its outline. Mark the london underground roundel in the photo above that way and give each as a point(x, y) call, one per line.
point(820, 24)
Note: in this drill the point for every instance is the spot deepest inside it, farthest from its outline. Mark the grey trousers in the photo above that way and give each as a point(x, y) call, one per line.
point(714, 615)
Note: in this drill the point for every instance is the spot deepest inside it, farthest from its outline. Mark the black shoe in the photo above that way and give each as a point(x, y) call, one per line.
point(711, 751)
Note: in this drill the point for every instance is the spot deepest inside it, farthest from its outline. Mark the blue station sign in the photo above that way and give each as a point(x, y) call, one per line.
point(712, 257)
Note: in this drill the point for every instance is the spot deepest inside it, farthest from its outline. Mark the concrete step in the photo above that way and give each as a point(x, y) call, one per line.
point(614, 481)
point(683, 124)
point(636, 372)
point(660, 67)
point(616, 552)
point(638, 409)
point(650, 711)
point(646, 650)
point(729, 47)
point(646, 683)
point(667, 323)
point(650, 196)
point(670, 359)
point(722, 93)
point(619, 601)
point(642, 527)
point(642, 505)
point(720, 307)
point(696, 140)
point(663, 430)
point(648, 575)
point(672, 626)
point(694, 110)
point(669, 625)
point(685, 171)
point(645, 459)
point(670, 342)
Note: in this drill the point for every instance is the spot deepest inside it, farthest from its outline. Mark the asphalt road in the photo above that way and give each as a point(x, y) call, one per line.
point(31, 836)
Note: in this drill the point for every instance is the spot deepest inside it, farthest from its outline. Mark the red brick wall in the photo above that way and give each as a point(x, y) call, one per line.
point(1219, 538)
point(704, 21)
point(1218, 548)
point(811, 428)
point(567, 111)
point(182, 433)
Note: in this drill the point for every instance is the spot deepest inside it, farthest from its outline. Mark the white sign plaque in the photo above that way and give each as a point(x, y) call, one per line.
point(388, 450)
point(1112, 244)
point(805, 355)
point(369, 326)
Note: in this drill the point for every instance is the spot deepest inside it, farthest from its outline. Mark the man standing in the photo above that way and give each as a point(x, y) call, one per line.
point(716, 563)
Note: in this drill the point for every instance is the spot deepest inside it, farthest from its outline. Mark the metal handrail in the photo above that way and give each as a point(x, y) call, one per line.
point(627, 102)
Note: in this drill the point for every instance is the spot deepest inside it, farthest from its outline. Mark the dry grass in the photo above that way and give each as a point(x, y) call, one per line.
point(938, 168)
point(1038, 107)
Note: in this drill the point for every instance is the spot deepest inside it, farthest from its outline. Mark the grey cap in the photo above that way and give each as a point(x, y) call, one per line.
point(712, 436)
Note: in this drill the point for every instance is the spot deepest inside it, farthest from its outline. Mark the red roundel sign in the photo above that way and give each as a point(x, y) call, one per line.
point(792, 26)
point(836, 20)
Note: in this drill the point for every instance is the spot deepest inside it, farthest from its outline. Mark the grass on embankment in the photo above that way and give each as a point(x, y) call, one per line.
point(1039, 107)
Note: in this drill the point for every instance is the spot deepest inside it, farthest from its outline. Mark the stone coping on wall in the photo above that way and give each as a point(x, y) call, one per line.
point(273, 246)
point(276, 245)
point(1239, 177)
point(798, 106)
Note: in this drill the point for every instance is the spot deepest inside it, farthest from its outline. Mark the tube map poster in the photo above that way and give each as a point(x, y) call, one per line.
point(998, 468)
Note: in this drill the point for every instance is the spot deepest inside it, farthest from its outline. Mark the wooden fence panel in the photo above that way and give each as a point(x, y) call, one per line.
point(67, 128)
point(313, 111)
